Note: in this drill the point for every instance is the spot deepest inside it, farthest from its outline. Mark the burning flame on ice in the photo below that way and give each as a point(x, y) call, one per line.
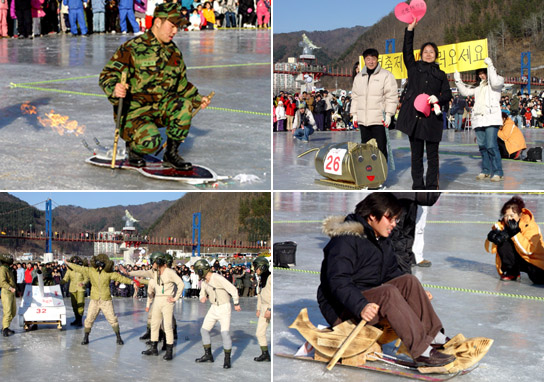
point(61, 124)
point(27, 108)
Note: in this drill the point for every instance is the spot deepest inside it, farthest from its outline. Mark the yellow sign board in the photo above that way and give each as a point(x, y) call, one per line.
point(460, 57)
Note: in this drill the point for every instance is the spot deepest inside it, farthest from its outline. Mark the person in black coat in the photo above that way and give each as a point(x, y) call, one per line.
point(361, 279)
point(424, 76)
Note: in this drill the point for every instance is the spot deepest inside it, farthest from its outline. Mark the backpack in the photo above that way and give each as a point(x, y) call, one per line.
point(534, 154)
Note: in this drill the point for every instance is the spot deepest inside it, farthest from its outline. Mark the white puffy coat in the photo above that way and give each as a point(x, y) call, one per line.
point(369, 99)
point(493, 115)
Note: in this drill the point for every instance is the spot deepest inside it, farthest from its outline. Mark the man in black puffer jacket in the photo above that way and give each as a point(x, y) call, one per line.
point(361, 279)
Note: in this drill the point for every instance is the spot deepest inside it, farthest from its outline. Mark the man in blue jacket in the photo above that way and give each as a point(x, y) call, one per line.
point(361, 280)
point(76, 16)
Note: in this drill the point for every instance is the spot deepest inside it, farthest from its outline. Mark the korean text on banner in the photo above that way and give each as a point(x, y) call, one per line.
point(460, 57)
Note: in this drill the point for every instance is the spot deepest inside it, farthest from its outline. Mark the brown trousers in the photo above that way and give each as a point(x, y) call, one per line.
point(404, 303)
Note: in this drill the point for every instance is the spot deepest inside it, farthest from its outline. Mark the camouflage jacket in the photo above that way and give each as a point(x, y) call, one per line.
point(153, 70)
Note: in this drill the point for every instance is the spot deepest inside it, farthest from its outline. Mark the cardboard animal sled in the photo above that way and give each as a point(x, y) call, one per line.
point(368, 342)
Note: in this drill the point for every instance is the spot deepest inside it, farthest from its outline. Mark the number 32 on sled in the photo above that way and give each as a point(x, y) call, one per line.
point(350, 165)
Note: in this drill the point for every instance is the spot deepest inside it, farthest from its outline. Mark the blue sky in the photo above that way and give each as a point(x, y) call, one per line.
point(95, 199)
point(323, 15)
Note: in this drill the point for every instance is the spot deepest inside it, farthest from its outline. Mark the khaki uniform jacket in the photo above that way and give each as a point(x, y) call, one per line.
point(371, 98)
point(265, 296)
point(219, 290)
point(528, 242)
point(75, 278)
point(6, 278)
point(100, 281)
point(165, 284)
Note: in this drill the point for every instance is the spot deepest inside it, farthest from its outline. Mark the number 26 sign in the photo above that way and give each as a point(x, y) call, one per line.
point(333, 161)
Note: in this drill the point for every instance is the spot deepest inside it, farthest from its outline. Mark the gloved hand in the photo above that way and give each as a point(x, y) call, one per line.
point(497, 236)
point(488, 61)
point(437, 109)
point(355, 123)
point(457, 76)
point(432, 99)
point(387, 120)
point(512, 227)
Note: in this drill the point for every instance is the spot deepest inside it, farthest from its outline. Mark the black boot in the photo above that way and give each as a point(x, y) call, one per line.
point(78, 322)
point(226, 363)
point(74, 323)
point(135, 159)
point(207, 357)
point(119, 339)
point(168, 355)
point(172, 158)
point(147, 334)
point(264, 357)
point(85, 339)
point(7, 332)
point(152, 349)
point(164, 345)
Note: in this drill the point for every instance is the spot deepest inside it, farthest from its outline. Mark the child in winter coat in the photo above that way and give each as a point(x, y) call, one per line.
point(263, 13)
point(3, 18)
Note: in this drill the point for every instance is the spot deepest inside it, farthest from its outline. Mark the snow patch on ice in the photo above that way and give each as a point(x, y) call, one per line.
point(247, 178)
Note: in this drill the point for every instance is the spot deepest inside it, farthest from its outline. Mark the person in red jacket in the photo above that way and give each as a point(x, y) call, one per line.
point(290, 109)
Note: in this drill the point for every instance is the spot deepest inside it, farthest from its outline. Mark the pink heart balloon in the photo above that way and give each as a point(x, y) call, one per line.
point(419, 8)
point(404, 13)
point(421, 104)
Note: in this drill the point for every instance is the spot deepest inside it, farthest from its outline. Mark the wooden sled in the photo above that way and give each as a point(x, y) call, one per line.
point(367, 345)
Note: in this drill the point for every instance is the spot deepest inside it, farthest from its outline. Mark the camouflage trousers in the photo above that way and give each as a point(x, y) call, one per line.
point(9, 307)
point(142, 122)
point(78, 302)
point(95, 306)
point(262, 324)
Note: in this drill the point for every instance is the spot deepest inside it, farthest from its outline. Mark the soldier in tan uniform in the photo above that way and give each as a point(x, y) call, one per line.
point(150, 274)
point(100, 273)
point(77, 290)
point(166, 280)
point(7, 283)
point(219, 291)
point(264, 306)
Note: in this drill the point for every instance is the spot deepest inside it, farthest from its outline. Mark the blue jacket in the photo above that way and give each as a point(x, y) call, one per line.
point(73, 4)
point(98, 6)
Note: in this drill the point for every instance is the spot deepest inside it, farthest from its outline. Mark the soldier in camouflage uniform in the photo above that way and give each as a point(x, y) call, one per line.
point(100, 273)
point(7, 283)
point(159, 93)
point(77, 290)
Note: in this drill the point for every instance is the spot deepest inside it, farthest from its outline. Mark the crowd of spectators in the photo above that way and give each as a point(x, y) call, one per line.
point(36, 18)
point(332, 111)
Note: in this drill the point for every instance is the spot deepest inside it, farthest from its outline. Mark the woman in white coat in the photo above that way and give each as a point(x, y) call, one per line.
point(486, 118)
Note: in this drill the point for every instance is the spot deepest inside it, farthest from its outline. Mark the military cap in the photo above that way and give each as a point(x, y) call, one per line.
point(172, 13)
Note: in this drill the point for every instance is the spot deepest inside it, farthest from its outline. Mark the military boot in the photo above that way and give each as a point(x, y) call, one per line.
point(168, 355)
point(7, 332)
point(226, 363)
point(119, 339)
point(147, 334)
point(86, 338)
point(264, 357)
point(74, 323)
point(172, 158)
point(207, 357)
point(78, 321)
point(135, 159)
point(164, 345)
point(152, 350)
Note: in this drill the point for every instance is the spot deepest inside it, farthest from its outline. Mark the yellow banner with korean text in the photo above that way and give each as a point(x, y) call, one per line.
point(460, 57)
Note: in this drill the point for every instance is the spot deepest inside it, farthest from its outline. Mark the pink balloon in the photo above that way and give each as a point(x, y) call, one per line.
point(406, 13)
point(419, 8)
point(421, 104)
